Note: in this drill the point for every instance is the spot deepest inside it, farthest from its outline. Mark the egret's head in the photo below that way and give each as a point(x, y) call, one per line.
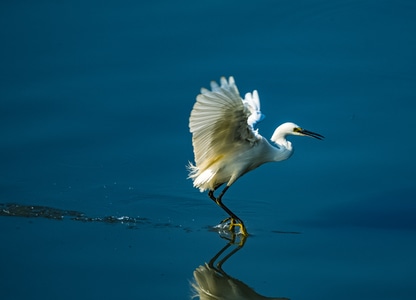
point(303, 132)
point(291, 128)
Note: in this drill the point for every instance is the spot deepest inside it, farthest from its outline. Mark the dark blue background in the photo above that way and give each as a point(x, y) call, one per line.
point(95, 98)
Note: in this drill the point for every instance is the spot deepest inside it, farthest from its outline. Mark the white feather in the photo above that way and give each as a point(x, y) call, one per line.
point(218, 123)
point(252, 102)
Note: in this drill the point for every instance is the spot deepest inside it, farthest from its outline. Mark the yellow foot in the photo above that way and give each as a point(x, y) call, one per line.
point(243, 229)
point(235, 223)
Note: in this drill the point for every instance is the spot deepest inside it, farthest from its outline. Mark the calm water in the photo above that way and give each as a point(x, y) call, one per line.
point(95, 98)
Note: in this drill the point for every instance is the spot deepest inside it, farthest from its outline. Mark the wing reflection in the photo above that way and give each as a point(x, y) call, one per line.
point(211, 282)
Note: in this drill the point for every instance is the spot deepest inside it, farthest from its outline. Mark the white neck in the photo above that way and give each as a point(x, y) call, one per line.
point(284, 150)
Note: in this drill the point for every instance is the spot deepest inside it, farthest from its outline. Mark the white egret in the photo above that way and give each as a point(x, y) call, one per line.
point(226, 143)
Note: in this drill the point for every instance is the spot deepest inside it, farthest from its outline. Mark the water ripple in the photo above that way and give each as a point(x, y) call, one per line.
point(38, 211)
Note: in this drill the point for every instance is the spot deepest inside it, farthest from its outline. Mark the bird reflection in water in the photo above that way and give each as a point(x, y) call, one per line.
point(212, 282)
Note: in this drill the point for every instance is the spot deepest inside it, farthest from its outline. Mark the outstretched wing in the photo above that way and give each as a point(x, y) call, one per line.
point(219, 122)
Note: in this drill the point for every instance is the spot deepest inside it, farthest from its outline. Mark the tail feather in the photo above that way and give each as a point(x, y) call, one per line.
point(200, 179)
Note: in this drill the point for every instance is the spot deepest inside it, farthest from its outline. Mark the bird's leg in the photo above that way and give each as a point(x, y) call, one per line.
point(213, 198)
point(218, 200)
point(234, 220)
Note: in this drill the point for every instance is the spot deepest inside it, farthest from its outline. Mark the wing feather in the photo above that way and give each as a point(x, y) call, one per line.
point(252, 102)
point(219, 122)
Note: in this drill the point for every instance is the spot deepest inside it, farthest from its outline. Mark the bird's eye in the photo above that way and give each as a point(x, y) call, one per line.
point(297, 129)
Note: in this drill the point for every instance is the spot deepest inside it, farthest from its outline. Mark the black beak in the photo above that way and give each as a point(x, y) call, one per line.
point(312, 134)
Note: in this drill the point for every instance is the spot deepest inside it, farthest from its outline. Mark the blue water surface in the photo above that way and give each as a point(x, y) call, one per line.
point(95, 98)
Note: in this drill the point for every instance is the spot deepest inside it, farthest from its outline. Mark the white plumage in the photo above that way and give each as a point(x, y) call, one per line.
point(226, 144)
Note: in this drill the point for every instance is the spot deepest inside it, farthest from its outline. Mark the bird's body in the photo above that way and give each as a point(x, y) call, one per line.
point(226, 143)
point(229, 166)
